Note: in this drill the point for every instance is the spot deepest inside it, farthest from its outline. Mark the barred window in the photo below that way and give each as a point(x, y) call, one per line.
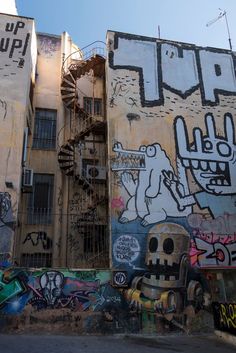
point(93, 106)
point(36, 260)
point(40, 202)
point(45, 129)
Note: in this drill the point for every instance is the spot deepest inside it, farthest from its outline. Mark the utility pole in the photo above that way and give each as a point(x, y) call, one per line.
point(222, 14)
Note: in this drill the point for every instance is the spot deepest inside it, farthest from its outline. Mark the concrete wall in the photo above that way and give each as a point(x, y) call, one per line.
point(171, 129)
point(18, 56)
point(44, 161)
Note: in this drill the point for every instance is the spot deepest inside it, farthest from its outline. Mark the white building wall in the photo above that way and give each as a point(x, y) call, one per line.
point(17, 65)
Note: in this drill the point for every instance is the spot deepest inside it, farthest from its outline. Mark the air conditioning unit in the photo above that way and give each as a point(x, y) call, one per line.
point(27, 177)
point(95, 172)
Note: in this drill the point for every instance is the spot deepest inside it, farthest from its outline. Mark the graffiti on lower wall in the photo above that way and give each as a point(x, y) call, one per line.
point(7, 222)
point(225, 317)
point(82, 290)
point(119, 300)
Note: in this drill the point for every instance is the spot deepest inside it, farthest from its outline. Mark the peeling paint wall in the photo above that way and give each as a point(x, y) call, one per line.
point(171, 130)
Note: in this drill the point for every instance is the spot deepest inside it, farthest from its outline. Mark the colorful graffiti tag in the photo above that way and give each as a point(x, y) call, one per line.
point(225, 317)
point(80, 291)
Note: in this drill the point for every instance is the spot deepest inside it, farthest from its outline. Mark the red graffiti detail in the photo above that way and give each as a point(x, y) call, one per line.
point(117, 203)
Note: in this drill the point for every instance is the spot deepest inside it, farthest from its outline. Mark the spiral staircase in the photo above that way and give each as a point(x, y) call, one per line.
point(83, 125)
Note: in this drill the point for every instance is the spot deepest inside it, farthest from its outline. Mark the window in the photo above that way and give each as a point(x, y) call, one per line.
point(95, 239)
point(40, 202)
point(45, 129)
point(93, 106)
point(36, 260)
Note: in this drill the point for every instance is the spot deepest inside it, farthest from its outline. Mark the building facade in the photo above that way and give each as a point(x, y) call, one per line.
point(118, 182)
point(18, 61)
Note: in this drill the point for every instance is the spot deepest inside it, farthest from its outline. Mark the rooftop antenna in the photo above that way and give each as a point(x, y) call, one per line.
point(222, 14)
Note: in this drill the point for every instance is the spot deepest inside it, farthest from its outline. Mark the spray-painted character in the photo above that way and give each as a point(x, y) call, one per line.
point(212, 162)
point(142, 177)
point(164, 287)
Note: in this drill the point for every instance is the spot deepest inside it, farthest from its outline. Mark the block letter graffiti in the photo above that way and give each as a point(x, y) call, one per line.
point(214, 254)
point(218, 75)
point(225, 316)
point(179, 70)
point(143, 58)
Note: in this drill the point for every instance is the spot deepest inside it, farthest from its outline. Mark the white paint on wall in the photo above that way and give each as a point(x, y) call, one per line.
point(16, 64)
point(142, 55)
point(8, 6)
point(217, 73)
point(179, 72)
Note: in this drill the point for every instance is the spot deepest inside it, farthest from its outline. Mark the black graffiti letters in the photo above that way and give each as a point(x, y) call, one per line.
point(6, 44)
point(39, 237)
point(14, 44)
point(12, 27)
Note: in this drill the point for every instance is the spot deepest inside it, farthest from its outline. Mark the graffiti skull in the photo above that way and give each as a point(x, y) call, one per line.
point(166, 259)
point(51, 284)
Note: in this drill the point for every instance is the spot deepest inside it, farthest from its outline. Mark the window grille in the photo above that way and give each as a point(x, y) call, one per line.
point(40, 201)
point(45, 129)
point(36, 260)
point(93, 106)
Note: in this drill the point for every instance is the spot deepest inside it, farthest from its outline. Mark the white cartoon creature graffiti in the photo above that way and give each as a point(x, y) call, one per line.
point(212, 161)
point(142, 177)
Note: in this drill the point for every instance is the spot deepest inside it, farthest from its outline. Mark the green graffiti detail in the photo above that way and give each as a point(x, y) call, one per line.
point(9, 289)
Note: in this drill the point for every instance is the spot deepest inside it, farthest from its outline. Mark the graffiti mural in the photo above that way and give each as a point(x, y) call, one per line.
point(66, 292)
point(7, 223)
point(107, 295)
point(225, 317)
point(163, 65)
point(212, 250)
point(171, 117)
point(48, 45)
point(211, 159)
point(150, 198)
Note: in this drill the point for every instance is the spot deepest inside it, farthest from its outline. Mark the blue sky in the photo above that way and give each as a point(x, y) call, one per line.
point(180, 20)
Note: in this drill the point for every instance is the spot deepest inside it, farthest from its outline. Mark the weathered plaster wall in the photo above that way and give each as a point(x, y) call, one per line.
point(17, 65)
point(171, 129)
point(41, 238)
